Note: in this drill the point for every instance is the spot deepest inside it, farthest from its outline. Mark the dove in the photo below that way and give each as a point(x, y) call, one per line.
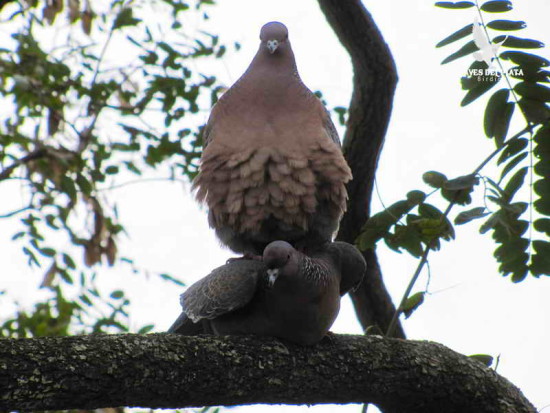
point(272, 167)
point(286, 294)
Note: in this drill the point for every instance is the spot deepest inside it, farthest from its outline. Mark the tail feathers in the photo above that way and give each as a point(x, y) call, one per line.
point(183, 325)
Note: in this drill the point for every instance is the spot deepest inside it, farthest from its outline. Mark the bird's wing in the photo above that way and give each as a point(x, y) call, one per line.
point(226, 288)
point(206, 131)
point(352, 266)
point(184, 325)
point(329, 126)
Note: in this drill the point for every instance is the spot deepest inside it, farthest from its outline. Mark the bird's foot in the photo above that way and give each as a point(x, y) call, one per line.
point(330, 338)
point(246, 256)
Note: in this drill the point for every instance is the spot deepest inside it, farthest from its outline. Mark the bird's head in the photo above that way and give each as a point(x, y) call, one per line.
point(274, 36)
point(279, 257)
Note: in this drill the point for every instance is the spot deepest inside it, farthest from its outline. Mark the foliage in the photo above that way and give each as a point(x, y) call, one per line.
point(516, 207)
point(81, 121)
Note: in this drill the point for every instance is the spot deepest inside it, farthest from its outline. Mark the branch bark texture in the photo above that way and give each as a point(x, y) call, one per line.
point(374, 83)
point(172, 371)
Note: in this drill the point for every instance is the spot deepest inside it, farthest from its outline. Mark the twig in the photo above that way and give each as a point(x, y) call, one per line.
point(427, 248)
point(39, 153)
point(12, 213)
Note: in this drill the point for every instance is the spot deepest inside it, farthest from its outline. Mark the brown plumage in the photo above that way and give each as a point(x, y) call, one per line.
point(272, 166)
point(287, 295)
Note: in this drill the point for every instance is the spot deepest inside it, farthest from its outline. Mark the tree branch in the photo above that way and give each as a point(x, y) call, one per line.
point(172, 371)
point(374, 82)
point(39, 153)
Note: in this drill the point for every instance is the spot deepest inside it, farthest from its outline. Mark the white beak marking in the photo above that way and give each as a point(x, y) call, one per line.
point(272, 45)
point(272, 276)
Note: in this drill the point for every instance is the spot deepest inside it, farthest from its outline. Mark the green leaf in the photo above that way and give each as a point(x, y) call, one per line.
point(125, 18)
point(514, 147)
point(168, 277)
point(506, 25)
point(542, 168)
point(434, 179)
point(117, 294)
point(455, 5)
point(459, 34)
point(462, 182)
point(416, 197)
point(542, 225)
point(536, 75)
point(491, 223)
point(540, 264)
point(535, 110)
point(512, 164)
point(412, 303)
point(430, 211)
point(542, 188)
point(540, 261)
point(146, 329)
point(379, 224)
point(511, 250)
point(84, 298)
point(407, 237)
point(68, 186)
point(542, 206)
point(111, 170)
point(533, 91)
point(477, 86)
point(518, 42)
point(69, 262)
point(525, 59)
point(469, 215)
point(483, 359)
point(503, 124)
point(84, 185)
point(515, 182)
point(433, 223)
point(47, 252)
point(542, 140)
point(465, 50)
point(494, 112)
point(497, 6)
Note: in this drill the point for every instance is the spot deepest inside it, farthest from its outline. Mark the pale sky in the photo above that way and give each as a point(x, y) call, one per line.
point(472, 309)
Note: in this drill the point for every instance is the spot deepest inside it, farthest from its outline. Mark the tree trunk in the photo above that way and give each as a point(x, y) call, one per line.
point(172, 371)
point(374, 82)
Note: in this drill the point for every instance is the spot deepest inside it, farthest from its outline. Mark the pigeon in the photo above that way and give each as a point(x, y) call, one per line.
point(272, 167)
point(286, 294)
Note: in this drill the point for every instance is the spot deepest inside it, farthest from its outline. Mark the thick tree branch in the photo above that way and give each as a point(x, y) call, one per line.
point(170, 371)
point(374, 82)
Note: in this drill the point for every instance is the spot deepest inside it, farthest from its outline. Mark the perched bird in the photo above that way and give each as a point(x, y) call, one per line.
point(272, 166)
point(286, 294)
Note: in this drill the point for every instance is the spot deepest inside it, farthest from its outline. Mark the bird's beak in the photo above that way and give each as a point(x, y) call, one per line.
point(272, 275)
point(272, 45)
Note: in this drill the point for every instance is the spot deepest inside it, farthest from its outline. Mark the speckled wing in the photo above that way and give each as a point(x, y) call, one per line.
point(225, 289)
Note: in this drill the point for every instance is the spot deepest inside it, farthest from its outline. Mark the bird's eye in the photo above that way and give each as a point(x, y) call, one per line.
point(288, 257)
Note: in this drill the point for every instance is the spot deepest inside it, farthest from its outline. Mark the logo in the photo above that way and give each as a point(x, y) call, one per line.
point(486, 53)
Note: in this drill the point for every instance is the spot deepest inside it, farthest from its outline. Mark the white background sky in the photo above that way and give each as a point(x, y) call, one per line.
point(472, 308)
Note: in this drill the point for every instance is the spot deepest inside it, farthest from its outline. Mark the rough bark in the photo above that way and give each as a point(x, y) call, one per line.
point(374, 82)
point(172, 371)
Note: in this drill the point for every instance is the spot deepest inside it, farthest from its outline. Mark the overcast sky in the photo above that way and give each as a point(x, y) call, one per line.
point(472, 309)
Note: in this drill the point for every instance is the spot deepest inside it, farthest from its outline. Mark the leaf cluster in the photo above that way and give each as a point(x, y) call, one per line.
point(80, 122)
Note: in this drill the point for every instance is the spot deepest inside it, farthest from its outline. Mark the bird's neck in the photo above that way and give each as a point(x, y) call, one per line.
point(269, 71)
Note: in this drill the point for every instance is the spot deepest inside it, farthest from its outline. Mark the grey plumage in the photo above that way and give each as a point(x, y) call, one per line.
point(287, 295)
